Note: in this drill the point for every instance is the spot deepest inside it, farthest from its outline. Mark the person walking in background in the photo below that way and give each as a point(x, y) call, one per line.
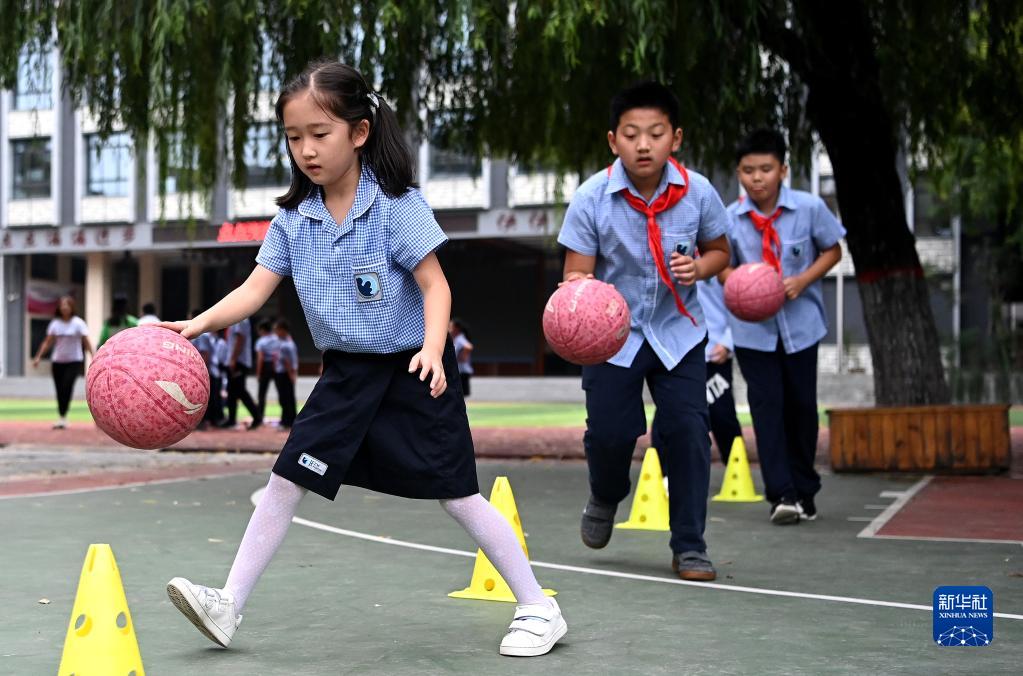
point(239, 364)
point(207, 346)
point(68, 335)
point(118, 320)
point(285, 370)
point(148, 315)
point(266, 358)
point(463, 352)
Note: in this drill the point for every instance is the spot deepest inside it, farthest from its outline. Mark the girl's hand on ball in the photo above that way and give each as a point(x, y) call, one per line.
point(573, 276)
point(186, 328)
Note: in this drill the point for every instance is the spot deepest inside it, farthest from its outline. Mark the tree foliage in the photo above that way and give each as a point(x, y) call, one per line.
point(936, 80)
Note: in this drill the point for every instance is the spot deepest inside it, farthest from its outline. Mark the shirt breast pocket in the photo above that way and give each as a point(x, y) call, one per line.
point(682, 242)
point(369, 286)
point(796, 256)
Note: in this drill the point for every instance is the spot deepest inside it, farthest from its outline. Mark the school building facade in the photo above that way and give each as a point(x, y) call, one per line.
point(83, 215)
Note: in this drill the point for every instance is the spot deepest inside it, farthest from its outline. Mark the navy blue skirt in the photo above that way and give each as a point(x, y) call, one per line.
point(371, 423)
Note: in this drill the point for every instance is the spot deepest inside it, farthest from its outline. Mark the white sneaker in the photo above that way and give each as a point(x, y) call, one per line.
point(210, 610)
point(534, 630)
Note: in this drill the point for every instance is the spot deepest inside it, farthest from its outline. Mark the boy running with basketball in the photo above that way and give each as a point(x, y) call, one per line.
point(637, 225)
point(795, 233)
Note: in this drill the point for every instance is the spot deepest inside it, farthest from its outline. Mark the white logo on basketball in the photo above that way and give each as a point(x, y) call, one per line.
point(174, 390)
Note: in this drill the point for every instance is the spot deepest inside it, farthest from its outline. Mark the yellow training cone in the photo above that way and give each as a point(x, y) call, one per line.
point(650, 506)
point(487, 584)
point(100, 638)
point(738, 483)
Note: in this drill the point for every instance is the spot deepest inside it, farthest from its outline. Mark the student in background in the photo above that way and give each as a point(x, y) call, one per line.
point(118, 320)
point(463, 352)
point(148, 315)
point(69, 337)
point(266, 358)
point(285, 372)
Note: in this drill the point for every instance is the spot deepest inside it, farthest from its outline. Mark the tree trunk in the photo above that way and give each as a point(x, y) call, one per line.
point(846, 106)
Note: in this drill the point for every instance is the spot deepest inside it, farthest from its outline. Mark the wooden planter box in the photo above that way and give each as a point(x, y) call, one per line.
point(956, 439)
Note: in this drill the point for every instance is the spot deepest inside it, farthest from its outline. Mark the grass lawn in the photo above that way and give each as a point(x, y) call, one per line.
point(481, 413)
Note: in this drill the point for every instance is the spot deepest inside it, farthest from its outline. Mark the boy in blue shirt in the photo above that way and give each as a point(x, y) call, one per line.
point(797, 234)
point(637, 225)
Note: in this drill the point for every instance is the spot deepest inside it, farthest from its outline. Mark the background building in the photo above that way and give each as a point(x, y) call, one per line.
point(81, 214)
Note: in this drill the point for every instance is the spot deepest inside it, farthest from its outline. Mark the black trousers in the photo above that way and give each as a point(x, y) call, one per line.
point(64, 376)
point(215, 405)
point(265, 378)
point(236, 392)
point(782, 393)
point(615, 418)
point(724, 423)
point(286, 396)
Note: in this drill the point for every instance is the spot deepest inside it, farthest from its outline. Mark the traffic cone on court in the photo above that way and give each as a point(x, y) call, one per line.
point(738, 483)
point(650, 505)
point(486, 583)
point(100, 637)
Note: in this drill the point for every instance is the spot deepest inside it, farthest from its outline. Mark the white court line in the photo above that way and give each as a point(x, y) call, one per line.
point(930, 538)
point(892, 509)
point(614, 573)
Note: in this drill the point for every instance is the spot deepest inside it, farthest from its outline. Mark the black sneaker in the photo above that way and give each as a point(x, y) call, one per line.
point(785, 512)
point(693, 566)
point(597, 523)
point(807, 509)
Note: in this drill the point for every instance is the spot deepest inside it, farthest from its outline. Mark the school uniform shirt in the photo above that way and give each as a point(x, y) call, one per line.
point(599, 222)
point(205, 343)
point(287, 355)
point(243, 329)
point(67, 339)
point(267, 346)
point(354, 278)
point(220, 353)
point(805, 228)
point(148, 319)
point(712, 300)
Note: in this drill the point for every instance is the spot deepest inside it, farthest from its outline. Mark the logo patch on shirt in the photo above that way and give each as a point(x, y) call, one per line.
point(311, 463)
point(682, 249)
point(367, 286)
point(797, 251)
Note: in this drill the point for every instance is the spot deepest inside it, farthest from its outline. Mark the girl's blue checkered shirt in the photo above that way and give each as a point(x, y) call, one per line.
point(354, 279)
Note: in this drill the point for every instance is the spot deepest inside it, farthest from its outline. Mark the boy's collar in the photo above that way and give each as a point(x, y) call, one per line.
point(785, 200)
point(619, 180)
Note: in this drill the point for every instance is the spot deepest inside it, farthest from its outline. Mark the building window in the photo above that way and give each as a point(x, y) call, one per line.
point(264, 156)
point(33, 88)
point(178, 171)
point(445, 159)
point(30, 168)
point(108, 165)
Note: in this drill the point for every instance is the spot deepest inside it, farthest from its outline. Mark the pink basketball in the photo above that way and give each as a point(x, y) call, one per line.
point(586, 321)
point(754, 292)
point(147, 387)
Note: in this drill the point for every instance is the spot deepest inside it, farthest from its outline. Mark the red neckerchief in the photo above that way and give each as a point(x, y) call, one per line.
point(771, 243)
point(669, 198)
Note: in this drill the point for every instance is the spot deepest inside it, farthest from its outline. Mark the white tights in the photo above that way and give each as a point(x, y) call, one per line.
point(272, 517)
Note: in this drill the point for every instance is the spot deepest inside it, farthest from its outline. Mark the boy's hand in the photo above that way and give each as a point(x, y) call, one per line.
point(719, 354)
point(793, 286)
point(683, 268)
point(188, 328)
point(429, 361)
point(573, 276)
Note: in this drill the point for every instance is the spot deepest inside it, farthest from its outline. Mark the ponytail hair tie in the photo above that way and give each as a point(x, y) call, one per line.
point(374, 100)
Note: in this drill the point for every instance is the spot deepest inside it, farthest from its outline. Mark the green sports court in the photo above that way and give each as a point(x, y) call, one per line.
point(360, 585)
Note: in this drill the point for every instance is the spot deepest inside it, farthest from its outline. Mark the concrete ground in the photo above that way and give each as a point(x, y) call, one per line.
point(360, 584)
